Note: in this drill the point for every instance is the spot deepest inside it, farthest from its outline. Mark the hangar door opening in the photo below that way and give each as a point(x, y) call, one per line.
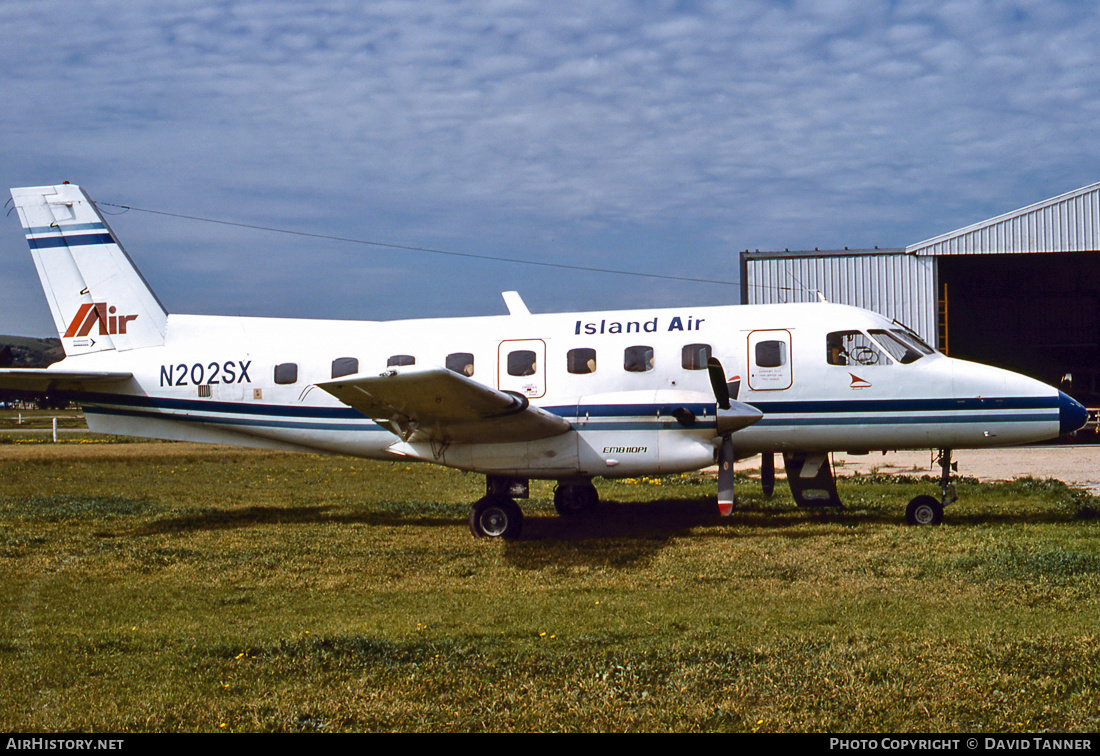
point(1037, 314)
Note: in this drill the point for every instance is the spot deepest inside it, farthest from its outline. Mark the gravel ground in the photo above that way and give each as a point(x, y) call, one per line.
point(1075, 465)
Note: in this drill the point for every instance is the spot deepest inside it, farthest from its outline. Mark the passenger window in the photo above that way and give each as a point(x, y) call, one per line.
point(695, 356)
point(638, 359)
point(461, 362)
point(342, 366)
point(286, 372)
point(771, 354)
point(581, 361)
point(853, 348)
point(399, 360)
point(521, 362)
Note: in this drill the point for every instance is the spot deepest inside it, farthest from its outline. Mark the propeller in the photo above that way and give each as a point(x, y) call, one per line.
point(718, 383)
point(732, 416)
point(767, 473)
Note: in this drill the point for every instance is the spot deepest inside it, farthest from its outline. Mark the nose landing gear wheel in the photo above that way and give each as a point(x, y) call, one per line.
point(924, 510)
point(496, 517)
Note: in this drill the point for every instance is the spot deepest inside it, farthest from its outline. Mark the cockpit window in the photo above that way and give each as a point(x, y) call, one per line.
point(853, 348)
point(913, 340)
point(903, 347)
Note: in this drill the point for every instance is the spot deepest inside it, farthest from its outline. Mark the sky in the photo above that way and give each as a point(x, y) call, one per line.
point(656, 138)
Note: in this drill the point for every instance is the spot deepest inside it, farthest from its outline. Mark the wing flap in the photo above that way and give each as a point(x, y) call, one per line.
point(442, 405)
point(45, 379)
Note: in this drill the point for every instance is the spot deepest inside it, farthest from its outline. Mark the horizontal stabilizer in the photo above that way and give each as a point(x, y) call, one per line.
point(442, 405)
point(44, 379)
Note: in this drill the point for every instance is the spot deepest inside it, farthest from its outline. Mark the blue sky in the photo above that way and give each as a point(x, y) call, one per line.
point(657, 137)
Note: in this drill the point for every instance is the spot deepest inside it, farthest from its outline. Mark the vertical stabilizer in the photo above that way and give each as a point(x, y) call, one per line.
point(98, 298)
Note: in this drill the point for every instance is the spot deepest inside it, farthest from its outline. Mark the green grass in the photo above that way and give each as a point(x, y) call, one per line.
point(38, 420)
point(153, 587)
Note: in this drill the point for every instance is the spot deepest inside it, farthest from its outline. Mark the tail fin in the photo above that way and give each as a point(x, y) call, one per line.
point(98, 298)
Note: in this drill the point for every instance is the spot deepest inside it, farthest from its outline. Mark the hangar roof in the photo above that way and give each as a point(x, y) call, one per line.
point(764, 255)
point(1067, 223)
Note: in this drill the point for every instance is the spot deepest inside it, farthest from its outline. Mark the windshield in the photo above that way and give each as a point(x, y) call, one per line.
point(911, 338)
point(903, 347)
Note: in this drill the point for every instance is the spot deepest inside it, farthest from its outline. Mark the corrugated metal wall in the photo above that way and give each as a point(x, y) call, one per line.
point(1067, 223)
point(902, 284)
point(892, 283)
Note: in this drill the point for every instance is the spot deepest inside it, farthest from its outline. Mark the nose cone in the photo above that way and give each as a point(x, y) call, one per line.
point(1071, 414)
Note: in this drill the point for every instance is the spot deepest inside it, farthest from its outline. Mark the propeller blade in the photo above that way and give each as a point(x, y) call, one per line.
point(767, 473)
point(726, 496)
point(718, 383)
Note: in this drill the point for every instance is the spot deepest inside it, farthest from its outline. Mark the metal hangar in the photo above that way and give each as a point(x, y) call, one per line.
point(1020, 291)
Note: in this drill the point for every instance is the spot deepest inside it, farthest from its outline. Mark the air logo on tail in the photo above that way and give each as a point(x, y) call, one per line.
point(90, 314)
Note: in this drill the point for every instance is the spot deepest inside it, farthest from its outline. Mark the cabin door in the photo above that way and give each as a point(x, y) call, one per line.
point(770, 360)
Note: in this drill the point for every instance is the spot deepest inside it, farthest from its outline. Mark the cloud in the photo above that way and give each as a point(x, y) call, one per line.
point(554, 131)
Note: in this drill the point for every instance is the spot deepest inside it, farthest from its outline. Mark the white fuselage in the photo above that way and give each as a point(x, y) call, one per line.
point(617, 377)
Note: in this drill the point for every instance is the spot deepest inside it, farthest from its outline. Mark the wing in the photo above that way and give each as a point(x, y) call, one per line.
point(444, 406)
point(45, 379)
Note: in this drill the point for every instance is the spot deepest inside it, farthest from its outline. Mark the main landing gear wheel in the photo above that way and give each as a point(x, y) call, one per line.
point(496, 517)
point(575, 499)
point(924, 510)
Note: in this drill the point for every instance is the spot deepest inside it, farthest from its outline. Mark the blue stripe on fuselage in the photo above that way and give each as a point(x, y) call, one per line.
point(251, 422)
point(604, 417)
point(204, 405)
point(871, 406)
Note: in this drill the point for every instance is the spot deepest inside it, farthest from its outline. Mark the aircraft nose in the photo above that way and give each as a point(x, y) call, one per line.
point(1071, 414)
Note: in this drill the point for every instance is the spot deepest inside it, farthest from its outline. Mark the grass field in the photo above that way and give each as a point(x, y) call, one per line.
point(171, 587)
point(14, 421)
